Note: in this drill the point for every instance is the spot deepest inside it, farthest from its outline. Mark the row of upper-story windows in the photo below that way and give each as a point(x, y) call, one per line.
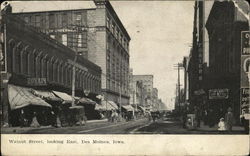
point(55, 20)
point(117, 33)
point(34, 63)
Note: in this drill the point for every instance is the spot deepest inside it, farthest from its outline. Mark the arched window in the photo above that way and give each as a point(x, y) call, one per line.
point(10, 55)
point(18, 57)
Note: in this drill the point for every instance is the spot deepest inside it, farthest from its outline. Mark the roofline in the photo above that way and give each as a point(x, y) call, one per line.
point(110, 7)
point(32, 12)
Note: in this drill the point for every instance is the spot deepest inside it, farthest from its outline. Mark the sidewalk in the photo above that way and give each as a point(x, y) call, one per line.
point(214, 130)
point(18, 130)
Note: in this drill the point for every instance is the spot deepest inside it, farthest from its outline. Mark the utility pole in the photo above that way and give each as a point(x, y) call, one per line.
point(178, 66)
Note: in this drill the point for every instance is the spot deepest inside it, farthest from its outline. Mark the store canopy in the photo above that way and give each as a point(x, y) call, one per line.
point(113, 104)
point(65, 97)
point(128, 107)
point(105, 105)
point(85, 100)
point(46, 95)
point(143, 109)
point(20, 97)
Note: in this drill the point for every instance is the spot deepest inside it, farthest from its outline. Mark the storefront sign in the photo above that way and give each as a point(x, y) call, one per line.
point(245, 43)
point(218, 94)
point(245, 70)
point(36, 81)
point(245, 97)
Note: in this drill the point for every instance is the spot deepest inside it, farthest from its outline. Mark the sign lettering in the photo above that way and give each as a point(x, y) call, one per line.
point(36, 81)
point(218, 94)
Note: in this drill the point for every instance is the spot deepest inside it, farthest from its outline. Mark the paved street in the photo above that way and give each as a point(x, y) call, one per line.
point(141, 126)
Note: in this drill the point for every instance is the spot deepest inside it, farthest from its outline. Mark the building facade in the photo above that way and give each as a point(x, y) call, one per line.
point(96, 32)
point(32, 59)
point(147, 81)
point(226, 21)
point(137, 91)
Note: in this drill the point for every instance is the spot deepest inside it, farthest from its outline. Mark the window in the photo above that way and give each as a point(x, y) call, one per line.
point(51, 21)
point(78, 18)
point(112, 28)
point(64, 39)
point(26, 19)
point(108, 23)
point(37, 21)
point(64, 19)
point(79, 41)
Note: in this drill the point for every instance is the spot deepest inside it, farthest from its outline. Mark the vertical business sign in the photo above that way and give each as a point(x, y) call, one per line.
point(245, 70)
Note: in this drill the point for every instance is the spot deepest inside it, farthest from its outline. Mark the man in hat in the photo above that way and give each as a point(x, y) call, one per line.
point(229, 119)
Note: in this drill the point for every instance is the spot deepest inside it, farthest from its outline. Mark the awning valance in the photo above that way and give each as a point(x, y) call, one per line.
point(46, 95)
point(20, 97)
point(65, 97)
point(128, 107)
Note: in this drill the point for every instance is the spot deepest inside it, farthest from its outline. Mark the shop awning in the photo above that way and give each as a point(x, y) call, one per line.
point(20, 97)
point(128, 107)
point(142, 108)
point(105, 105)
point(113, 104)
point(65, 97)
point(85, 100)
point(46, 95)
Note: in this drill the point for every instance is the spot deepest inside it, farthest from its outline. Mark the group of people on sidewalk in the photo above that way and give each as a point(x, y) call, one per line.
point(224, 121)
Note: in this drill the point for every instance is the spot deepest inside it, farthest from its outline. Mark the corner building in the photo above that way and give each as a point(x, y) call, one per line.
point(96, 32)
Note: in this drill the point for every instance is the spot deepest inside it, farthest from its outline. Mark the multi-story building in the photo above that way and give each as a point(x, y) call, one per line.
point(99, 34)
point(33, 60)
point(147, 81)
point(225, 24)
point(136, 90)
point(155, 98)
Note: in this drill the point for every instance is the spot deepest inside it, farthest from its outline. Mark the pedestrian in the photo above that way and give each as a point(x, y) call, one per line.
point(184, 119)
point(34, 122)
point(197, 115)
point(221, 125)
point(229, 119)
point(211, 118)
point(244, 121)
point(112, 116)
point(22, 119)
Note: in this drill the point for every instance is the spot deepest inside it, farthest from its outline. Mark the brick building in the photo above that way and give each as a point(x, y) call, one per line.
point(99, 34)
point(32, 59)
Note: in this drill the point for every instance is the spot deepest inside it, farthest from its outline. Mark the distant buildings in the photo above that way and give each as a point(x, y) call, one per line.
point(96, 32)
point(143, 91)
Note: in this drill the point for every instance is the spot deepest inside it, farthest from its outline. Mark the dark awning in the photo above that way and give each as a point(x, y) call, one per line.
point(20, 97)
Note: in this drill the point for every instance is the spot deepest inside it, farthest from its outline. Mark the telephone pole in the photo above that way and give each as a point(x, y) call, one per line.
point(178, 67)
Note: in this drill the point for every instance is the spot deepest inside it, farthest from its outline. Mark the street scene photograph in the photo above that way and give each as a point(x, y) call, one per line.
point(125, 67)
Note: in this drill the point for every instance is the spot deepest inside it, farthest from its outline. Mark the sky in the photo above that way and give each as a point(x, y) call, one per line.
point(160, 31)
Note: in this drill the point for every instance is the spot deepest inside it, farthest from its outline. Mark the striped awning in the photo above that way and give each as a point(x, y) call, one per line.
point(46, 95)
point(128, 107)
point(85, 100)
point(20, 97)
point(105, 105)
point(64, 96)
